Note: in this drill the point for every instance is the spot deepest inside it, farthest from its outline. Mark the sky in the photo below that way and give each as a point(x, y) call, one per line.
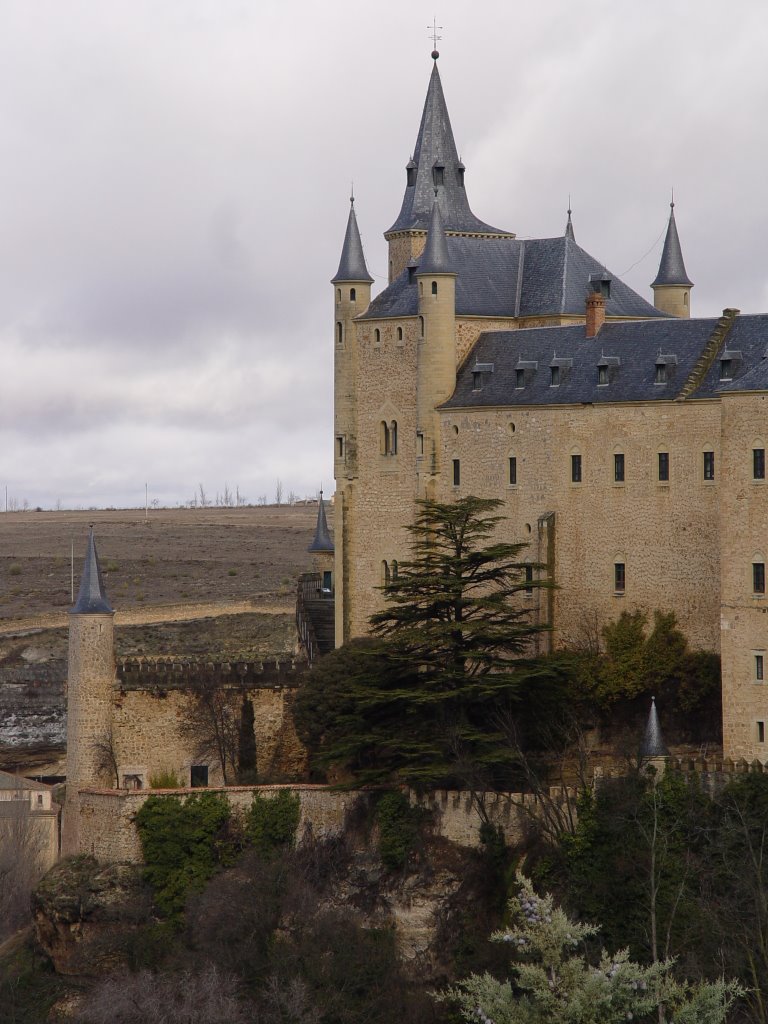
point(174, 182)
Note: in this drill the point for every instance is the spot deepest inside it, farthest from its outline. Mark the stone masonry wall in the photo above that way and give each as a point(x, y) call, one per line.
point(744, 541)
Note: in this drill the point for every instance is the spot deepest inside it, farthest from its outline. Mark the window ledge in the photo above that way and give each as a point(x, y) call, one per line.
point(619, 593)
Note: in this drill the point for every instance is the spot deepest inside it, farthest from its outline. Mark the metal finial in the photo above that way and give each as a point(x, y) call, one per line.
point(672, 204)
point(351, 193)
point(435, 37)
point(570, 211)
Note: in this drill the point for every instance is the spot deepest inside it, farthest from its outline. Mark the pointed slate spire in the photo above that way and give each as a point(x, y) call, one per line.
point(435, 161)
point(569, 226)
point(435, 258)
point(352, 264)
point(672, 267)
point(322, 539)
point(92, 597)
point(653, 744)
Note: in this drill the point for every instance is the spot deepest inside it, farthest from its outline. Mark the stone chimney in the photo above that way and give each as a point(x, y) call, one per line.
point(597, 296)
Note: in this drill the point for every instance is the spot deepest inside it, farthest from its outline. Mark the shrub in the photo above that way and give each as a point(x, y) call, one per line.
point(398, 829)
point(166, 778)
point(271, 823)
point(14, 569)
point(232, 572)
point(183, 844)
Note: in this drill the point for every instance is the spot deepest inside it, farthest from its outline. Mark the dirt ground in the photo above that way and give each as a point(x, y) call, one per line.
point(213, 558)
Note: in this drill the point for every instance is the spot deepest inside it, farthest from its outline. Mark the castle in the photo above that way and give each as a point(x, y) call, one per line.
point(626, 440)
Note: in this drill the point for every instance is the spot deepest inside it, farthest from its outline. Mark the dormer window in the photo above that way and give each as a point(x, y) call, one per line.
point(554, 376)
point(477, 381)
point(556, 368)
point(607, 369)
point(661, 374)
point(438, 175)
point(726, 369)
point(460, 174)
point(410, 174)
point(665, 368)
point(519, 379)
point(602, 375)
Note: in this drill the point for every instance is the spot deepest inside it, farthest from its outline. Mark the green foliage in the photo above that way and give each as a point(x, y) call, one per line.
point(183, 843)
point(14, 569)
point(164, 779)
point(420, 699)
point(552, 981)
point(271, 822)
point(28, 985)
point(398, 825)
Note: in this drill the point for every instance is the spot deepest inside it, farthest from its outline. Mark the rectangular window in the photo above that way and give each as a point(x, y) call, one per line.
point(758, 463)
point(661, 374)
point(761, 732)
point(339, 447)
point(709, 465)
point(519, 379)
point(759, 668)
point(726, 369)
point(554, 376)
point(664, 467)
point(528, 579)
point(619, 577)
point(198, 775)
point(456, 472)
point(602, 375)
point(618, 468)
point(576, 469)
point(758, 577)
point(477, 381)
point(512, 469)
point(419, 443)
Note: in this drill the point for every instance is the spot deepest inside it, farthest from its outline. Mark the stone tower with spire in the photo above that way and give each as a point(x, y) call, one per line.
point(90, 682)
point(672, 286)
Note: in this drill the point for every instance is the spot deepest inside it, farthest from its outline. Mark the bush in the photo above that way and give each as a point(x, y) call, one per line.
point(166, 778)
point(14, 569)
point(271, 823)
point(398, 829)
point(183, 844)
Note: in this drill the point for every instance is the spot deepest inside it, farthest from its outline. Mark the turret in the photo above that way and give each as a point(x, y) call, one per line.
point(90, 680)
point(653, 750)
point(352, 291)
point(436, 373)
point(435, 164)
point(322, 549)
point(672, 287)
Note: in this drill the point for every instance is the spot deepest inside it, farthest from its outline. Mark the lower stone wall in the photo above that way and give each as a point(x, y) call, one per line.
point(108, 832)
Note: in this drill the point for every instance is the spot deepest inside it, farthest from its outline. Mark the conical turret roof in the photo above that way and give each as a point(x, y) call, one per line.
point(352, 263)
point(653, 744)
point(322, 540)
point(92, 597)
point(435, 258)
point(569, 228)
point(672, 267)
point(435, 158)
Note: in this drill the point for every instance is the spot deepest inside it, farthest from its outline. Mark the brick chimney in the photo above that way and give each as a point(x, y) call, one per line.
point(595, 313)
point(597, 296)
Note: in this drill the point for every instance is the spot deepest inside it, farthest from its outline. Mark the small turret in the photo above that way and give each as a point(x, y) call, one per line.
point(352, 266)
point(322, 549)
point(672, 287)
point(436, 369)
point(90, 680)
point(653, 749)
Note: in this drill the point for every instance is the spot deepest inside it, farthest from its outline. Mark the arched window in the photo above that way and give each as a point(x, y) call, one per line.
point(399, 333)
point(338, 294)
point(384, 438)
point(393, 438)
point(394, 570)
point(377, 337)
point(339, 333)
point(421, 325)
point(385, 574)
point(434, 287)
point(421, 287)
point(352, 294)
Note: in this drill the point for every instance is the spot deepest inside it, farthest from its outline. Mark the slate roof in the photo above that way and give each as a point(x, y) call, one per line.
point(20, 782)
point(510, 277)
point(322, 539)
point(630, 351)
point(352, 263)
point(653, 744)
point(672, 267)
point(435, 147)
point(92, 597)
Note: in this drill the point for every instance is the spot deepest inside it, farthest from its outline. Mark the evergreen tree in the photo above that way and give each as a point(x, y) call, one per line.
point(554, 983)
point(420, 699)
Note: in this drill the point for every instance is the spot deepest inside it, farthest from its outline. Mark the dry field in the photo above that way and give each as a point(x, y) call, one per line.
point(215, 560)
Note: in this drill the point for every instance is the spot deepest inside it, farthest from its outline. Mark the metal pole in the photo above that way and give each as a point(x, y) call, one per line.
point(72, 572)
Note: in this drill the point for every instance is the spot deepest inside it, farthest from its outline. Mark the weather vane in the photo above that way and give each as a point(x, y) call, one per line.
point(433, 29)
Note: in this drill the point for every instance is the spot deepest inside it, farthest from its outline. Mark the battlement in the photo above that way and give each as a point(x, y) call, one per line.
point(171, 672)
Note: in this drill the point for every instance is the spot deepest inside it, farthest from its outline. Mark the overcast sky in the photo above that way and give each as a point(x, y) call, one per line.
point(174, 178)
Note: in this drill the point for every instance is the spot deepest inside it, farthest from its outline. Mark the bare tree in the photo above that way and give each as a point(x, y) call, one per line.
point(204, 502)
point(21, 862)
point(227, 495)
point(278, 491)
point(262, 499)
point(240, 499)
point(106, 757)
point(212, 721)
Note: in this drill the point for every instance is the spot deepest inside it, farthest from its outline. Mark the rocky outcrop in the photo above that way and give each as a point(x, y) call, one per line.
point(84, 914)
